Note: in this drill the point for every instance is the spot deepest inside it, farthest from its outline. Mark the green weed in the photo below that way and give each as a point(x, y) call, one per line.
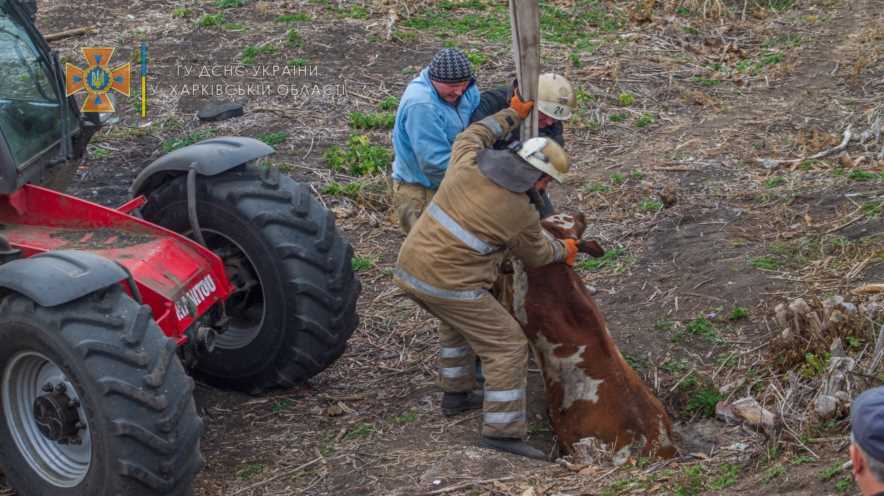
point(692, 483)
point(406, 418)
point(707, 82)
point(617, 117)
point(844, 484)
point(675, 367)
point(872, 209)
point(766, 263)
point(229, 4)
point(374, 120)
point(596, 188)
point(209, 20)
point(477, 58)
point(273, 138)
point(625, 99)
point(644, 120)
point(251, 52)
point(350, 190)
point(250, 470)
point(728, 477)
point(701, 327)
point(389, 103)
point(98, 152)
point(361, 264)
point(703, 401)
point(281, 405)
point(773, 473)
point(360, 431)
point(612, 259)
point(773, 182)
point(293, 38)
point(802, 459)
point(815, 365)
point(862, 176)
point(738, 313)
point(831, 471)
point(650, 206)
point(181, 12)
point(617, 178)
point(359, 157)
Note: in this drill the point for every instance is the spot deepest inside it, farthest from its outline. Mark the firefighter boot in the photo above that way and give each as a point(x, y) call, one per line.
point(514, 446)
point(454, 403)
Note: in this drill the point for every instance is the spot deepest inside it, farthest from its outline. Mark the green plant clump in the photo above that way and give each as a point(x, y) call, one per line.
point(372, 120)
point(359, 157)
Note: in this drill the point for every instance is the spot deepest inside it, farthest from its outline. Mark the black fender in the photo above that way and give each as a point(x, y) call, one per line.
point(209, 157)
point(58, 277)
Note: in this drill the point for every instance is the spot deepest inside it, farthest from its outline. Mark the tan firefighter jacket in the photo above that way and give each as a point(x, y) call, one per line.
point(455, 249)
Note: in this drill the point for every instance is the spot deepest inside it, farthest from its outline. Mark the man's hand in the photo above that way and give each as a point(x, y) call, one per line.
point(522, 107)
point(571, 249)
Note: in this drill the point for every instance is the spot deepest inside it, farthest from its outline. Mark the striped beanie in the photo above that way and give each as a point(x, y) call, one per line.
point(450, 65)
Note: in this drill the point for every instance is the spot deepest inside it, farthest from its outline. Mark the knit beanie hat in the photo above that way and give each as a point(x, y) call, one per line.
point(450, 65)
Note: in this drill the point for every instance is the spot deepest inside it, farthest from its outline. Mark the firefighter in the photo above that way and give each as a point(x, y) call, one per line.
point(434, 109)
point(451, 256)
point(555, 101)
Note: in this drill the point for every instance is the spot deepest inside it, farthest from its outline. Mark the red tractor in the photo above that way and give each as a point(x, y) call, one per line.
point(217, 266)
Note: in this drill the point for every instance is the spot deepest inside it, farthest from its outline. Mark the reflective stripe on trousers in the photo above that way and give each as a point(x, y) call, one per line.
point(430, 290)
point(504, 407)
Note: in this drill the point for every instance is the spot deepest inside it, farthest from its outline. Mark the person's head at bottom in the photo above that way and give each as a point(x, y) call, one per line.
point(867, 441)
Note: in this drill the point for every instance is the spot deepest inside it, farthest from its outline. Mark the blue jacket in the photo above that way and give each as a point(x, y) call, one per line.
point(425, 128)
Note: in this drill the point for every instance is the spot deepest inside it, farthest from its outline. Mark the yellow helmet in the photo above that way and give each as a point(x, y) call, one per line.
point(546, 155)
point(555, 97)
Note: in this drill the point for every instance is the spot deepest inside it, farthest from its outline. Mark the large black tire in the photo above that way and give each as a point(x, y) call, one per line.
point(142, 431)
point(301, 263)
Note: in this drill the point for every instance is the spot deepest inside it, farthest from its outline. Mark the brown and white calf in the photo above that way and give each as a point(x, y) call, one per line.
point(591, 391)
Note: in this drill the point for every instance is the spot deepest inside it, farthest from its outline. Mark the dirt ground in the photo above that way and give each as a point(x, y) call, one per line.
point(677, 105)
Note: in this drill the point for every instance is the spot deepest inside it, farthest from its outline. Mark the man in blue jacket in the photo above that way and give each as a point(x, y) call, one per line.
point(434, 109)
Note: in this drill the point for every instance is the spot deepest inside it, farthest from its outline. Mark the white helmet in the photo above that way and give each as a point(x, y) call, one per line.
point(555, 97)
point(546, 155)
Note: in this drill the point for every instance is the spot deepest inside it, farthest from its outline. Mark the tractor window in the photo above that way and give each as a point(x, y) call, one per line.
point(29, 107)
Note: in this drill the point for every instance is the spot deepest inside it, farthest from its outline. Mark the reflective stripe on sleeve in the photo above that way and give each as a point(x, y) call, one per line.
point(491, 123)
point(459, 232)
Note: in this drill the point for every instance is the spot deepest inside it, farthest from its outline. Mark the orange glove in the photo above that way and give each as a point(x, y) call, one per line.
point(522, 107)
point(571, 247)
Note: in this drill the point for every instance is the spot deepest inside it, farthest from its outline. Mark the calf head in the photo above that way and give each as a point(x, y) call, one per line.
point(591, 391)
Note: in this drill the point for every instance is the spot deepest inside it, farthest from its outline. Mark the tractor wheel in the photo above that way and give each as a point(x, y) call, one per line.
point(94, 400)
point(294, 304)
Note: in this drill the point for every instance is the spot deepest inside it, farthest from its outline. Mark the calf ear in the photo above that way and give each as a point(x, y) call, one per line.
point(579, 224)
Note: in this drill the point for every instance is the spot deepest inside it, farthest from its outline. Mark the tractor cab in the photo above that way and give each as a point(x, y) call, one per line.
point(43, 135)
